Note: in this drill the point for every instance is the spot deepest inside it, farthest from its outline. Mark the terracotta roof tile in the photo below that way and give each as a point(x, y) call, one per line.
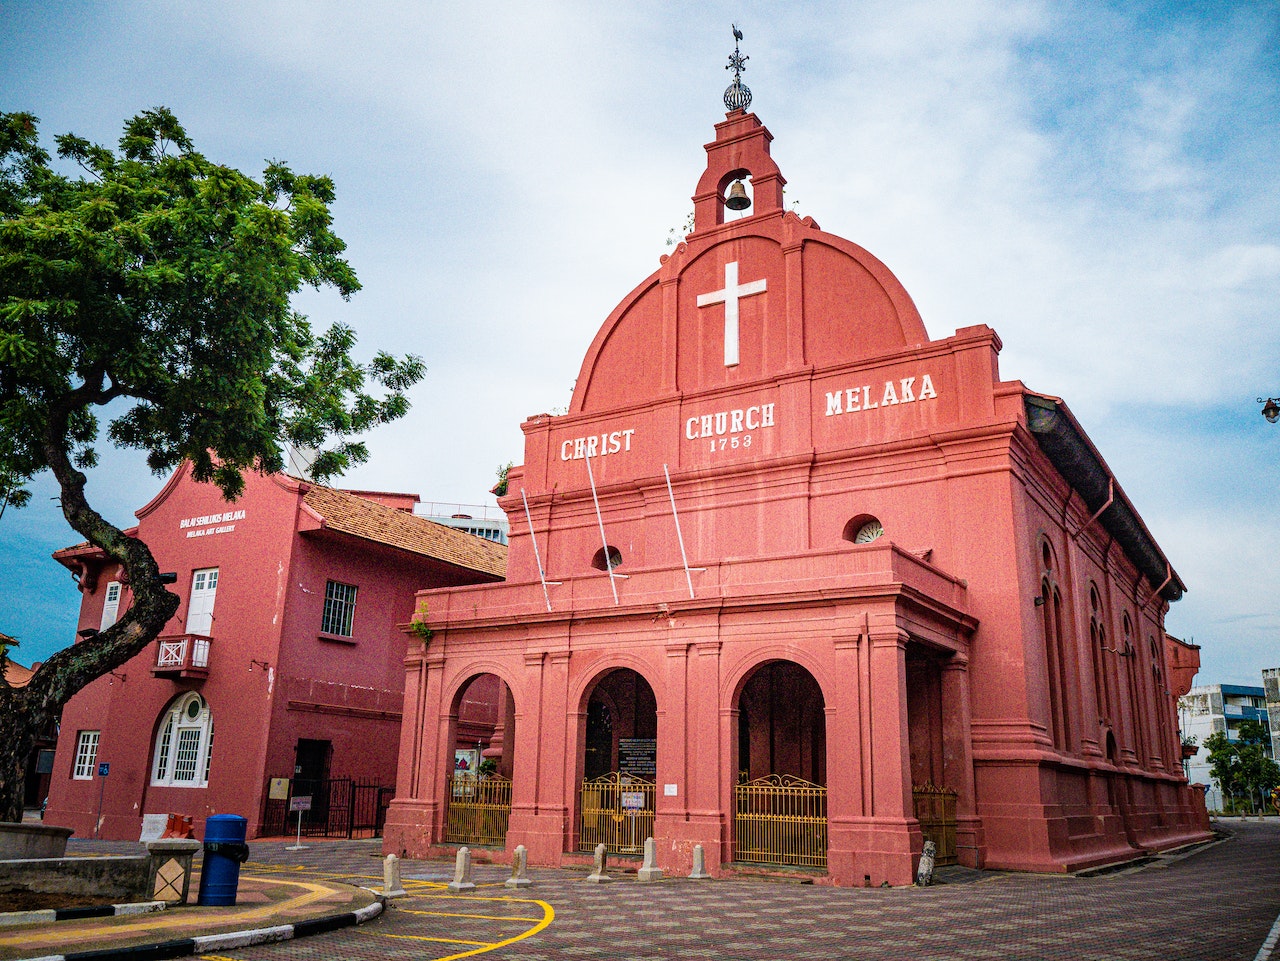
point(359, 517)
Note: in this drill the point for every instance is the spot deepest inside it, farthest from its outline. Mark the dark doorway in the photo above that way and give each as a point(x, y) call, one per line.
point(599, 758)
point(619, 764)
point(311, 760)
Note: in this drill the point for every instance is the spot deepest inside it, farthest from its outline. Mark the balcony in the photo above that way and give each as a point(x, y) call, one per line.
point(183, 656)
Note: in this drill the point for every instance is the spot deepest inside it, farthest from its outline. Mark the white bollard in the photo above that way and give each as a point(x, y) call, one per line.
point(597, 874)
point(391, 886)
point(699, 872)
point(649, 870)
point(519, 864)
point(462, 873)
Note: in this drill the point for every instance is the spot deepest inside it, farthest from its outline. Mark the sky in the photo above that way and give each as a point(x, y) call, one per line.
point(1094, 180)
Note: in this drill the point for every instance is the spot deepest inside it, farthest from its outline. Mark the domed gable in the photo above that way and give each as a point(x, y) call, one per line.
point(747, 300)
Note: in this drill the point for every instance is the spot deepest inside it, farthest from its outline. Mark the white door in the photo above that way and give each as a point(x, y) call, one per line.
point(111, 605)
point(204, 586)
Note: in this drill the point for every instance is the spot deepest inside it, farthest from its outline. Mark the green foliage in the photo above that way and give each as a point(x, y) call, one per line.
point(162, 278)
point(1241, 767)
point(500, 489)
point(158, 282)
point(418, 626)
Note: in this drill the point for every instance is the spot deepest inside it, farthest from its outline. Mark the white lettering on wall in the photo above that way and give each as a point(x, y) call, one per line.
point(597, 445)
point(207, 519)
point(851, 400)
point(724, 422)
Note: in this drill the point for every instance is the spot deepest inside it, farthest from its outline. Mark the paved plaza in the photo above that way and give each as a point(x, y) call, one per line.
point(1216, 902)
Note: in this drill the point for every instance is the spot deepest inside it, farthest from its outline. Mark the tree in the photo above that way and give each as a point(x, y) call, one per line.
point(157, 282)
point(1241, 767)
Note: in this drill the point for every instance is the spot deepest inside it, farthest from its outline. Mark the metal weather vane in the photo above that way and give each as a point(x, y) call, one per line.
point(737, 96)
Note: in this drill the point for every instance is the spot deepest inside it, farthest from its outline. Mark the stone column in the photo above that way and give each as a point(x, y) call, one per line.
point(845, 796)
point(894, 833)
point(671, 812)
point(707, 772)
point(415, 818)
point(957, 760)
point(542, 789)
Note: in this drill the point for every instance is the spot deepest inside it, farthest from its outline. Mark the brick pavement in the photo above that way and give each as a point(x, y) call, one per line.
point(1216, 903)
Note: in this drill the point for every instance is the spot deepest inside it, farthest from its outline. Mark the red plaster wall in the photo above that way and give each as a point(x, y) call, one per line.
point(267, 610)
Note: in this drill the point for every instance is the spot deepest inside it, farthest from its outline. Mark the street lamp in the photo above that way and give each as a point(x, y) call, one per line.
point(1271, 409)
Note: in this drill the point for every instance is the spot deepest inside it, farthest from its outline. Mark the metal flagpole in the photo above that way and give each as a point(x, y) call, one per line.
point(608, 562)
point(536, 556)
point(679, 537)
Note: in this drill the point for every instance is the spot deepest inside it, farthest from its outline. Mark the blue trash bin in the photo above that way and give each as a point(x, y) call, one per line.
point(224, 852)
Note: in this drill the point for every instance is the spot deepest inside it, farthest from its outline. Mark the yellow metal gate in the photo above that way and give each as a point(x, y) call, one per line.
point(479, 809)
point(781, 820)
point(617, 811)
point(935, 809)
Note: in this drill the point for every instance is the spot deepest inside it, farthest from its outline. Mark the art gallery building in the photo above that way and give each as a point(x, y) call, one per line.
point(792, 581)
point(282, 662)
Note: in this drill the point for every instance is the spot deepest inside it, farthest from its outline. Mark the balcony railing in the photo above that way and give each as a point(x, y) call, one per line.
point(183, 655)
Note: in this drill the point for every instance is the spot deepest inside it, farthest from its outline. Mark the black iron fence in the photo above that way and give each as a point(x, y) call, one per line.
point(338, 808)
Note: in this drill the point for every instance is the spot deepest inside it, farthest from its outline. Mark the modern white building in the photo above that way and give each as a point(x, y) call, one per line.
point(1211, 708)
point(487, 522)
point(1271, 685)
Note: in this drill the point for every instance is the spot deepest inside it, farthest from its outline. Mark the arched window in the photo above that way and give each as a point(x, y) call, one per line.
point(1098, 636)
point(1055, 644)
point(612, 564)
point(863, 529)
point(184, 743)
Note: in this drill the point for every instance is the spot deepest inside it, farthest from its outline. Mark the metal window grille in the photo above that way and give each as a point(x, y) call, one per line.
point(781, 820)
point(339, 609)
point(184, 762)
point(208, 753)
point(86, 754)
point(162, 754)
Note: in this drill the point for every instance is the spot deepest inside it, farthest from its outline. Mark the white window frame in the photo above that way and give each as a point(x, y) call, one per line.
point(177, 724)
point(200, 601)
point(339, 615)
point(86, 755)
point(111, 604)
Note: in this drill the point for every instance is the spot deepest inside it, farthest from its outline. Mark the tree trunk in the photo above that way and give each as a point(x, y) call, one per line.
point(17, 738)
point(24, 711)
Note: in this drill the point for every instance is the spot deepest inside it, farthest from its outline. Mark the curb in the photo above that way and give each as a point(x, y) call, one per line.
point(11, 918)
point(182, 947)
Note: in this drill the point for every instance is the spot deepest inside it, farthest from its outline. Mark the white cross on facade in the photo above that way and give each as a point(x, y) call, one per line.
point(729, 297)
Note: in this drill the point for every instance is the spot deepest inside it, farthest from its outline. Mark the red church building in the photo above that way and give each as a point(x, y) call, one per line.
point(286, 646)
point(794, 582)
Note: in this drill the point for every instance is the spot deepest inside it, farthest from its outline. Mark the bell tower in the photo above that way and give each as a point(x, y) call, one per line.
point(739, 152)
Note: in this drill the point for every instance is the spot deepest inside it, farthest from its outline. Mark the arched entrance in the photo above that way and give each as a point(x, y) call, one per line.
point(780, 811)
point(478, 788)
point(619, 763)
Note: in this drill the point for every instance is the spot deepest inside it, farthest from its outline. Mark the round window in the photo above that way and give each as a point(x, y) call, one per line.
point(868, 532)
point(193, 708)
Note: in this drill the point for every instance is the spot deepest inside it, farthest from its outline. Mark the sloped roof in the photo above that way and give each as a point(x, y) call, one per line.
point(1069, 449)
point(15, 673)
point(359, 517)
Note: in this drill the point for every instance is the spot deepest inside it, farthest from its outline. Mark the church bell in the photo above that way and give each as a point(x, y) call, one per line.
point(737, 199)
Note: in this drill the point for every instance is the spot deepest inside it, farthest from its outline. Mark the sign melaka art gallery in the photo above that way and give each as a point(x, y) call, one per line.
point(853, 588)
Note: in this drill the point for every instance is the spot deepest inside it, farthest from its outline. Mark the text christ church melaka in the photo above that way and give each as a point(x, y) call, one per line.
point(793, 582)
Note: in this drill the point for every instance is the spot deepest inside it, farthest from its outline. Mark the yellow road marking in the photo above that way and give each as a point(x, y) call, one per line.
point(423, 937)
point(478, 917)
point(216, 957)
point(56, 935)
point(548, 915)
